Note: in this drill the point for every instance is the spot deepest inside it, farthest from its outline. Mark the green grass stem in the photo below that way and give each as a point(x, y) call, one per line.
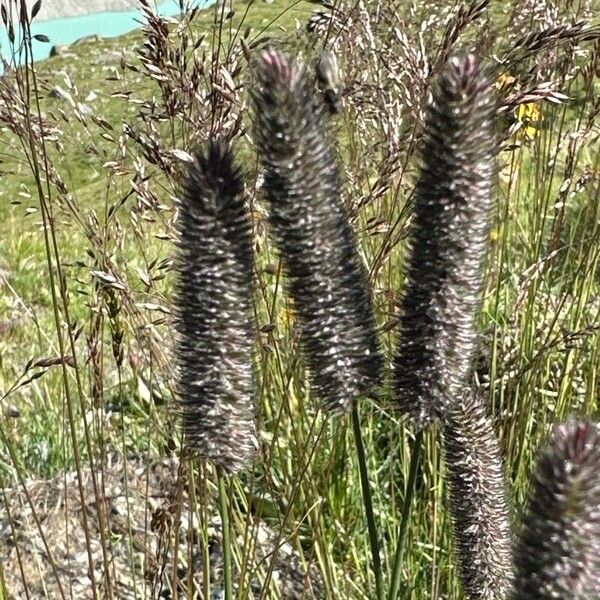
point(415, 457)
point(367, 502)
point(225, 524)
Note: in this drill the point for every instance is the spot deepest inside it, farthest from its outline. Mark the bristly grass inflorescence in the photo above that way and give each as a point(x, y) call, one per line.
point(442, 293)
point(214, 295)
point(558, 555)
point(479, 504)
point(325, 276)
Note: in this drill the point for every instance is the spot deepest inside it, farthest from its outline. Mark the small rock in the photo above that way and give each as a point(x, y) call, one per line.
point(60, 50)
point(87, 39)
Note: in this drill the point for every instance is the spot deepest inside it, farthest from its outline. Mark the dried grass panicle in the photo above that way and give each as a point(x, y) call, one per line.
point(214, 295)
point(533, 43)
point(478, 500)
point(450, 226)
point(545, 91)
point(325, 277)
point(466, 14)
point(329, 24)
point(558, 554)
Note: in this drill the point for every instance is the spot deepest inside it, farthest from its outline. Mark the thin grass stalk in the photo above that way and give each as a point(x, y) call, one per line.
point(8, 444)
point(52, 250)
point(14, 533)
point(205, 501)
point(226, 533)
point(368, 503)
point(130, 532)
point(3, 590)
point(415, 460)
point(293, 495)
point(182, 475)
point(192, 512)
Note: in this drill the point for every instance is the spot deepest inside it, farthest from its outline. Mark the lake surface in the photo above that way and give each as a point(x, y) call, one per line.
point(107, 24)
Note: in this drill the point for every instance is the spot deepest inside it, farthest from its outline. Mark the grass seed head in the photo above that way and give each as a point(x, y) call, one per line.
point(325, 276)
point(214, 294)
point(328, 79)
point(558, 554)
point(453, 202)
point(478, 500)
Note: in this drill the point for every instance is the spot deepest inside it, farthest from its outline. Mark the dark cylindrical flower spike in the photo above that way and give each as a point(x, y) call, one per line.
point(325, 277)
point(449, 233)
point(478, 500)
point(558, 554)
point(214, 314)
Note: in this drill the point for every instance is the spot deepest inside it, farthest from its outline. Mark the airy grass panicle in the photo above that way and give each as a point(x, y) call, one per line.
point(214, 294)
point(450, 227)
point(325, 277)
point(478, 500)
point(558, 555)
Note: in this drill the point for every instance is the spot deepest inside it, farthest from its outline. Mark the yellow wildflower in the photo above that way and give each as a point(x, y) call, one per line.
point(504, 81)
point(529, 115)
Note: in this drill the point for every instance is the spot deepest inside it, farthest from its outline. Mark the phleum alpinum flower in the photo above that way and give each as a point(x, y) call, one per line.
point(478, 500)
point(558, 554)
point(325, 276)
point(453, 200)
point(214, 293)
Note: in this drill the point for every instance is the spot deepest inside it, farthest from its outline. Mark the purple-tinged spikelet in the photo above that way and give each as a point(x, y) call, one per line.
point(478, 500)
point(558, 554)
point(450, 227)
point(214, 314)
point(325, 277)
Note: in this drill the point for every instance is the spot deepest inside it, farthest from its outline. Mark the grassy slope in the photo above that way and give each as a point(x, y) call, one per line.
point(26, 303)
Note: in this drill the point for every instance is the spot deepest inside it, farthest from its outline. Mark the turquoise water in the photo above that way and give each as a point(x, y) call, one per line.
point(108, 24)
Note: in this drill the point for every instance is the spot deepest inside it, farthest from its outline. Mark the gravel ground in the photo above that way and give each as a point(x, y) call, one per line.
point(43, 548)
